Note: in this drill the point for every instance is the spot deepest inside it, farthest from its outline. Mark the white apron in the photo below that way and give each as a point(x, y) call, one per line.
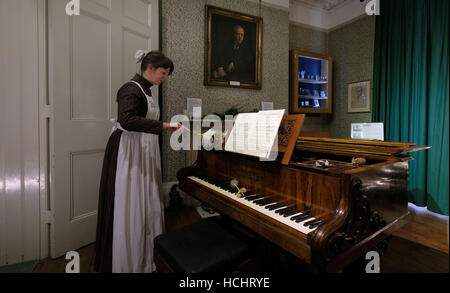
point(138, 208)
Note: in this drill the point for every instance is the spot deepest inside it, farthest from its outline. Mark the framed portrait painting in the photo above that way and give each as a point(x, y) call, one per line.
point(233, 49)
point(359, 96)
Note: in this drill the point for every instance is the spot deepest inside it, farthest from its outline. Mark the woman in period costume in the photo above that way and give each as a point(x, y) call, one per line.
point(130, 211)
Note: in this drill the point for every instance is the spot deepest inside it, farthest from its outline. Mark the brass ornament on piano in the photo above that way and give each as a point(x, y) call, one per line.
point(322, 164)
point(241, 192)
point(357, 162)
point(234, 183)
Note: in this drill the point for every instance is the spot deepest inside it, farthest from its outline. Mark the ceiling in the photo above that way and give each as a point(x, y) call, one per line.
point(326, 5)
point(320, 14)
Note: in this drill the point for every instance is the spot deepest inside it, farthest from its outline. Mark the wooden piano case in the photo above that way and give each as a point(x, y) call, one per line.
point(361, 205)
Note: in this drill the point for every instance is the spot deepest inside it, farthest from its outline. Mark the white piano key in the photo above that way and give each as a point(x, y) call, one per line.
point(285, 220)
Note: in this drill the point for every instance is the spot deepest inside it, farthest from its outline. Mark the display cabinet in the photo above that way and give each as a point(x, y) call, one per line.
point(311, 87)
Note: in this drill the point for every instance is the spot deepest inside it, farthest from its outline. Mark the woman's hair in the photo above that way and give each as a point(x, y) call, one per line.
point(157, 59)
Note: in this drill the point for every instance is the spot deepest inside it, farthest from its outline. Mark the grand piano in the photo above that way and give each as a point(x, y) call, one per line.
point(331, 203)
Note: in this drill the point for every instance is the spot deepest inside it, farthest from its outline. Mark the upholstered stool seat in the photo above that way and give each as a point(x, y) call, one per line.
point(206, 246)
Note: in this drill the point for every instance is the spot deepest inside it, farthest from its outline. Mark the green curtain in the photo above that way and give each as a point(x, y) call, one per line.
point(410, 91)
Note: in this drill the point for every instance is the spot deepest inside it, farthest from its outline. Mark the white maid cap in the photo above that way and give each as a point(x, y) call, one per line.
point(139, 56)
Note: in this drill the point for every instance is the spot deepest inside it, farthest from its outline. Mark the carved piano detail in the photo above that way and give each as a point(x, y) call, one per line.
point(321, 207)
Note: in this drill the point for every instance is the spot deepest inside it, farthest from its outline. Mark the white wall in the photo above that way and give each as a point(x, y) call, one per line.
point(19, 131)
point(280, 4)
point(326, 20)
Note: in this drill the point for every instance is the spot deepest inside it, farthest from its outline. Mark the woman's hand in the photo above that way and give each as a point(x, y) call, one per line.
point(172, 126)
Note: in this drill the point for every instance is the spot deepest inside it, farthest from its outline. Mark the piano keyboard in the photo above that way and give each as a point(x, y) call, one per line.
point(300, 221)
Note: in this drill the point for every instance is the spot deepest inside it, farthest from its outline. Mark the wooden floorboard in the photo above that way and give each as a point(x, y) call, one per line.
point(402, 255)
point(427, 229)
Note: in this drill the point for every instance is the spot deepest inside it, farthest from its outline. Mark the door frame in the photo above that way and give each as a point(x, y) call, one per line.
point(45, 137)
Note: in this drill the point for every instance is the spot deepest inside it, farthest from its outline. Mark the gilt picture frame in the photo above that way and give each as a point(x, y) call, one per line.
point(359, 97)
point(233, 43)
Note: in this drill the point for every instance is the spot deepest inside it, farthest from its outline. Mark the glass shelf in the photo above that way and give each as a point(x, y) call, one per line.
point(312, 97)
point(312, 81)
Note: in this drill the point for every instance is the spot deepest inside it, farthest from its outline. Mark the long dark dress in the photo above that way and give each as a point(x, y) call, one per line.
point(132, 110)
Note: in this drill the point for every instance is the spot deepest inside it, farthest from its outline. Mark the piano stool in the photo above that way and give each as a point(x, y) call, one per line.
point(203, 247)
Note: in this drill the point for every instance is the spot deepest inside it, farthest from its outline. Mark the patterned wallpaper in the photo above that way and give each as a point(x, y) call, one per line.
point(307, 39)
point(351, 47)
point(183, 27)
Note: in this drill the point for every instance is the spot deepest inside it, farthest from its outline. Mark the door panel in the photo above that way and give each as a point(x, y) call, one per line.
point(90, 57)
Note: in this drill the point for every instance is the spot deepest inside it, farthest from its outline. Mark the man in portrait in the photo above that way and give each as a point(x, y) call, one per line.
point(236, 60)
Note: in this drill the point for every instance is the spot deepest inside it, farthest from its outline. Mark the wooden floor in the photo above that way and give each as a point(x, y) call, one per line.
point(426, 228)
point(402, 255)
point(174, 218)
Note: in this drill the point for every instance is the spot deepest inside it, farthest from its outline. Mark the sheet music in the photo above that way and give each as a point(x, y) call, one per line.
point(243, 132)
point(255, 133)
point(267, 128)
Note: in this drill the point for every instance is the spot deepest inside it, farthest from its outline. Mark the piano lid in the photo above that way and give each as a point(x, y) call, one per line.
point(357, 146)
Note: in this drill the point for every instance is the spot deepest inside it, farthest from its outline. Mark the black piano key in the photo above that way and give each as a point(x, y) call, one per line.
point(303, 214)
point(285, 210)
point(317, 224)
point(263, 202)
point(230, 189)
point(301, 219)
point(253, 197)
point(259, 201)
point(311, 222)
point(259, 197)
point(281, 210)
point(274, 206)
point(290, 213)
point(296, 217)
point(247, 193)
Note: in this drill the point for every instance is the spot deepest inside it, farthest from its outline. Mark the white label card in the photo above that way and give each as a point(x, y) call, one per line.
point(367, 131)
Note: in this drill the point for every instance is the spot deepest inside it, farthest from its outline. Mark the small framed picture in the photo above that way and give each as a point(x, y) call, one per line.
point(359, 97)
point(266, 106)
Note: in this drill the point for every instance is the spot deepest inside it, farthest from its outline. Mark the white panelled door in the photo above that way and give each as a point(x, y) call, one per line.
point(90, 56)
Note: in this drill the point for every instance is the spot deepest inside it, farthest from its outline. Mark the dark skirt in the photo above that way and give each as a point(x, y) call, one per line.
point(105, 220)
